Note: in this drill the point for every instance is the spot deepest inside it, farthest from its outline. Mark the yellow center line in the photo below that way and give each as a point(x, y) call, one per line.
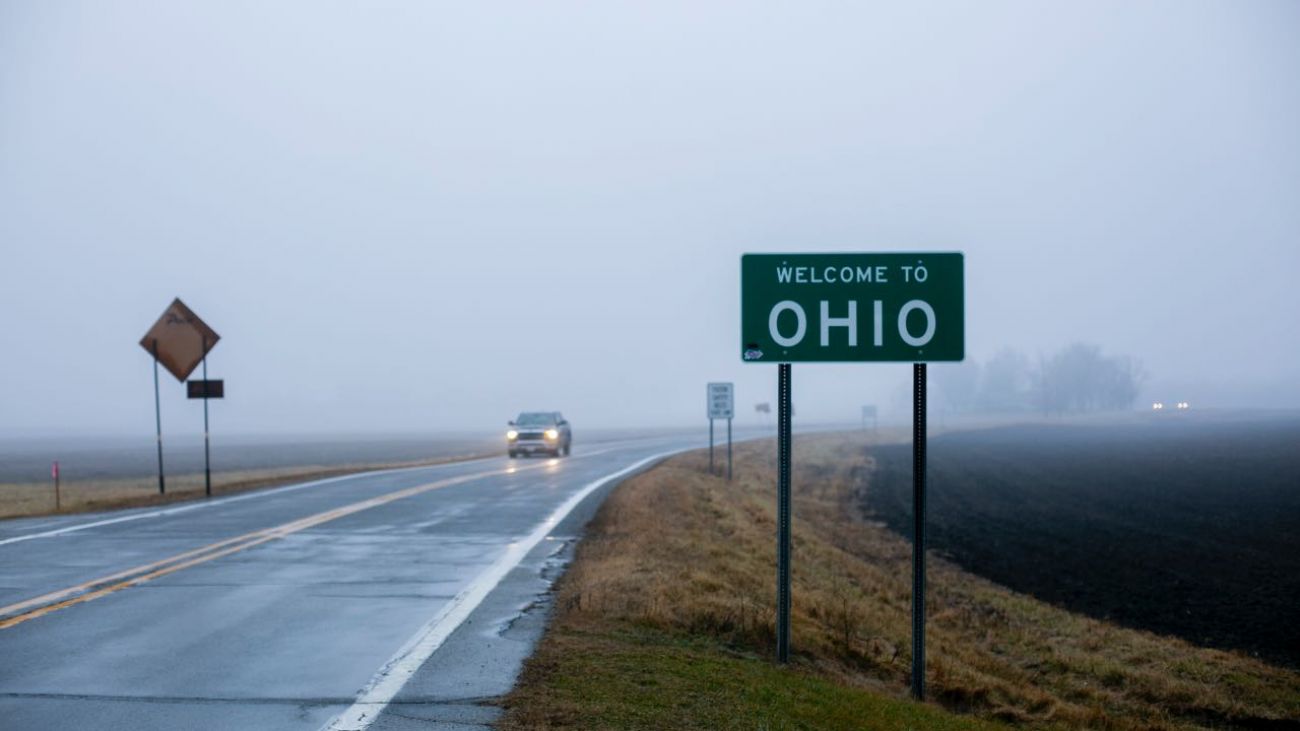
point(88, 585)
point(105, 585)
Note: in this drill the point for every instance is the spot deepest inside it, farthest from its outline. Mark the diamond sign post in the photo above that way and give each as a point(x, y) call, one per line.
point(179, 341)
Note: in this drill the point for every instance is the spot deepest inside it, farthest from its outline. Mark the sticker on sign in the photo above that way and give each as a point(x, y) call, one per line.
point(852, 307)
point(720, 400)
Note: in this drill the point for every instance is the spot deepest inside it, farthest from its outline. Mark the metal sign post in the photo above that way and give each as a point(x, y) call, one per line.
point(157, 414)
point(710, 445)
point(869, 412)
point(207, 455)
point(179, 340)
point(720, 403)
point(918, 530)
point(852, 307)
point(728, 449)
point(783, 513)
point(206, 389)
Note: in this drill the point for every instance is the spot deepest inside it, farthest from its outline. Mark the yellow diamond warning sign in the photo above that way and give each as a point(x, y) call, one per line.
point(179, 340)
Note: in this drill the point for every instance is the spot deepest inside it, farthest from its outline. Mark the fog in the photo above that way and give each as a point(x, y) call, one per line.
point(419, 216)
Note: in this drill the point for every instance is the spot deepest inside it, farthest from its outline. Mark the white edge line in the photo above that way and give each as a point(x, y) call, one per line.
point(385, 684)
point(224, 501)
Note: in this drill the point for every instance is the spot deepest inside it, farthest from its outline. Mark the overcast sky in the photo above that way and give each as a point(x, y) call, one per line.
point(417, 216)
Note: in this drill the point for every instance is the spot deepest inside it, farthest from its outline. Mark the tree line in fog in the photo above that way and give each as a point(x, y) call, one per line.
point(1078, 378)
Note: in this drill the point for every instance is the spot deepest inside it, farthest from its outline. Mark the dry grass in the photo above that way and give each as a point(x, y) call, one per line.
point(79, 496)
point(678, 551)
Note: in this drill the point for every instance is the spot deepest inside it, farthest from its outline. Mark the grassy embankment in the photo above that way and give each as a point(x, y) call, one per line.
point(665, 620)
point(28, 499)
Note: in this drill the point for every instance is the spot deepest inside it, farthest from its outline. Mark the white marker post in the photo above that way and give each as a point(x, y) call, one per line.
point(54, 472)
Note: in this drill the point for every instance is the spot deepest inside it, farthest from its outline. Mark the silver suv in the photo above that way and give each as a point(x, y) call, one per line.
point(539, 431)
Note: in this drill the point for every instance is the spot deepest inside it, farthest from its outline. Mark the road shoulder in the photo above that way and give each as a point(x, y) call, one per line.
point(459, 687)
point(665, 620)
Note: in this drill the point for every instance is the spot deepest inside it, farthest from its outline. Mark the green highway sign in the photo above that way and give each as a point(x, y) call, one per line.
point(852, 307)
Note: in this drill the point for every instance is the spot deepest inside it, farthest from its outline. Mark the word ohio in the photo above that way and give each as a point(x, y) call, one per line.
point(849, 323)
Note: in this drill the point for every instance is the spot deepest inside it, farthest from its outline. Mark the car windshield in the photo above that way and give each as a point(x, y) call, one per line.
point(536, 419)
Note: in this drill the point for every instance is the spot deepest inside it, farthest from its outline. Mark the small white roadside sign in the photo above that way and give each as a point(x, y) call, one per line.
point(721, 401)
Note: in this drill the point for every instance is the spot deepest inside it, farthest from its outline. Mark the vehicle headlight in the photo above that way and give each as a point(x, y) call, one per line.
point(512, 434)
point(552, 433)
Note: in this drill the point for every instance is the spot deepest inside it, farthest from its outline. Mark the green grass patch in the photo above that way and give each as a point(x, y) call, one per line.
point(627, 677)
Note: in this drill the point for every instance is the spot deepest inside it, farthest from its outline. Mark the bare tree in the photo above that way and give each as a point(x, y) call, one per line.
point(959, 384)
point(1006, 384)
point(1079, 378)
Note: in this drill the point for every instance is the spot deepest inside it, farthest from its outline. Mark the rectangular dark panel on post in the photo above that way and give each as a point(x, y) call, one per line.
point(206, 389)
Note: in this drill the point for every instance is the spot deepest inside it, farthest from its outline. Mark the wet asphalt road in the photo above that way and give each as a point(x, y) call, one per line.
point(276, 609)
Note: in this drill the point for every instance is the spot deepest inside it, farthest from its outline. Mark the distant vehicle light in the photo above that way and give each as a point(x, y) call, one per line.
point(552, 433)
point(1157, 406)
point(512, 434)
point(1183, 405)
